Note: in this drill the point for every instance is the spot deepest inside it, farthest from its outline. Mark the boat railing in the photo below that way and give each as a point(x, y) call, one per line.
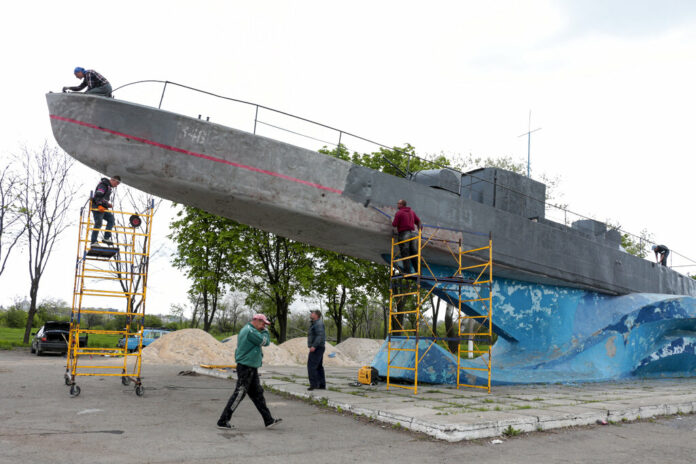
point(314, 135)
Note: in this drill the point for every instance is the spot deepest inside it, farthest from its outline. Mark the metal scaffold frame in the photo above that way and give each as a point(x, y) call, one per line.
point(474, 287)
point(115, 271)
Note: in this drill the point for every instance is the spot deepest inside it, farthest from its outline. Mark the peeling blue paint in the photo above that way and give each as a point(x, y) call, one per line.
point(552, 334)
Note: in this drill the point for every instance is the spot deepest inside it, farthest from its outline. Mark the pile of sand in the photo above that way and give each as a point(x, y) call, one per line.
point(194, 346)
point(273, 355)
point(297, 347)
point(362, 350)
point(187, 347)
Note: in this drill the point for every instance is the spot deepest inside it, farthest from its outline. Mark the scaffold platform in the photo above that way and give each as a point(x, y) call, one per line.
point(409, 334)
point(104, 273)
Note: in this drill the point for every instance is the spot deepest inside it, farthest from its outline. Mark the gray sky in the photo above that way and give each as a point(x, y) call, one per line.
point(609, 82)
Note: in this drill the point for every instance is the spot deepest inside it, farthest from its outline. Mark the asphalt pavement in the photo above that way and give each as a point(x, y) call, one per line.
point(175, 422)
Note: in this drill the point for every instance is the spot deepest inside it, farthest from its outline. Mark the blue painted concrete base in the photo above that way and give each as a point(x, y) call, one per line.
point(550, 334)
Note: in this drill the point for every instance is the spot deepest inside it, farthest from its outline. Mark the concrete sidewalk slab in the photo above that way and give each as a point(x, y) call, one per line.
point(449, 414)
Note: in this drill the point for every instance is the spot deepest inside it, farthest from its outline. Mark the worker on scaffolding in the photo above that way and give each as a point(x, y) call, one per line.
point(96, 83)
point(661, 254)
point(100, 204)
point(405, 223)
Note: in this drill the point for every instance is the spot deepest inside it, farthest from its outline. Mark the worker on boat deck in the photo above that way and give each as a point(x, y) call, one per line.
point(100, 204)
point(661, 254)
point(96, 83)
point(405, 223)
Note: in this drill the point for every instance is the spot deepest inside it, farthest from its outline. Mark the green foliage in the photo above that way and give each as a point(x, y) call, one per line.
point(510, 431)
point(16, 318)
point(637, 246)
point(278, 270)
point(206, 251)
point(153, 321)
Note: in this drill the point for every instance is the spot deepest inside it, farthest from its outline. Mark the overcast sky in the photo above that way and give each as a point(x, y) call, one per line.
point(609, 82)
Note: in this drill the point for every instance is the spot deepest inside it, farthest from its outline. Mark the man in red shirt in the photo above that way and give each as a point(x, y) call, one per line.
point(405, 223)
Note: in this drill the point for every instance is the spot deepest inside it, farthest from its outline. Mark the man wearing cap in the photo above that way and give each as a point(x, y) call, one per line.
point(249, 357)
point(661, 254)
point(100, 204)
point(96, 83)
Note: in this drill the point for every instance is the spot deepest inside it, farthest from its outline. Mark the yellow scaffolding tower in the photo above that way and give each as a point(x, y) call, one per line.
point(102, 272)
point(410, 289)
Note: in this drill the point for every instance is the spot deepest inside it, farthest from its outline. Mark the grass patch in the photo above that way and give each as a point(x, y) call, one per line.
point(12, 338)
point(510, 431)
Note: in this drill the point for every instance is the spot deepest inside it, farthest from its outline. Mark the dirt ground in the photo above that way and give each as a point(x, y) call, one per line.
point(174, 422)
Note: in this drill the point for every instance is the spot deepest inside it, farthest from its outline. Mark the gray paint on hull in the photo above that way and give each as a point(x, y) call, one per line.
point(523, 249)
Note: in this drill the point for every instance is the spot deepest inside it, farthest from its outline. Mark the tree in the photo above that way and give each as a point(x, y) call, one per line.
point(205, 250)
point(340, 279)
point(135, 201)
point(11, 229)
point(45, 196)
point(277, 271)
point(229, 311)
point(637, 245)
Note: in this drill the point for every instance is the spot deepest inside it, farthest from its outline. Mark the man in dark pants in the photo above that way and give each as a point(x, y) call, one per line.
point(316, 341)
point(661, 254)
point(96, 83)
point(100, 204)
point(249, 357)
point(405, 223)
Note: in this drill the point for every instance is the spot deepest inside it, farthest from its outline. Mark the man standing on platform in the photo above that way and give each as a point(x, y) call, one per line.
point(316, 341)
point(661, 254)
point(405, 223)
point(249, 357)
point(100, 204)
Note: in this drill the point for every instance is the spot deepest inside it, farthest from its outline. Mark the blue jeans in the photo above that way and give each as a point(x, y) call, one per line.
point(98, 217)
point(409, 248)
point(104, 90)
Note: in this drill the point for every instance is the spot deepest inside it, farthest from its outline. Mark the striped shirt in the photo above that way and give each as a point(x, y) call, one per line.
point(91, 80)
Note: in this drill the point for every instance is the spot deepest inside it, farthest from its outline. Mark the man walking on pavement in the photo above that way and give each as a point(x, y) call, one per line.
point(100, 204)
point(661, 254)
point(249, 358)
point(405, 223)
point(316, 341)
point(96, 83)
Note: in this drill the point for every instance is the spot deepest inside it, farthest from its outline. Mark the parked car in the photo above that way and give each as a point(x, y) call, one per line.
point(149, 336)
point(53, 336)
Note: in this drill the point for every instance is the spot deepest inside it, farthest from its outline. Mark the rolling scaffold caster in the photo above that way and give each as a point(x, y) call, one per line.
point(125, 380)
point(139, 390)
point(74, 390)
point(67, 380)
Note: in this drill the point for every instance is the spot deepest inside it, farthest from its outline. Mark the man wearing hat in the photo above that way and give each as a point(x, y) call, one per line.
point(101, 203)
point(661, 254)
point(249, 356)
point(96, 83)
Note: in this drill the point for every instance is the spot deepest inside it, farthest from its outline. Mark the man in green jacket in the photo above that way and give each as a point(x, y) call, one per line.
point(249, 356)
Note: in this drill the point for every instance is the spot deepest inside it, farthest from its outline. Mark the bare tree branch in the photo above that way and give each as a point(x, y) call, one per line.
point(45, 197)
